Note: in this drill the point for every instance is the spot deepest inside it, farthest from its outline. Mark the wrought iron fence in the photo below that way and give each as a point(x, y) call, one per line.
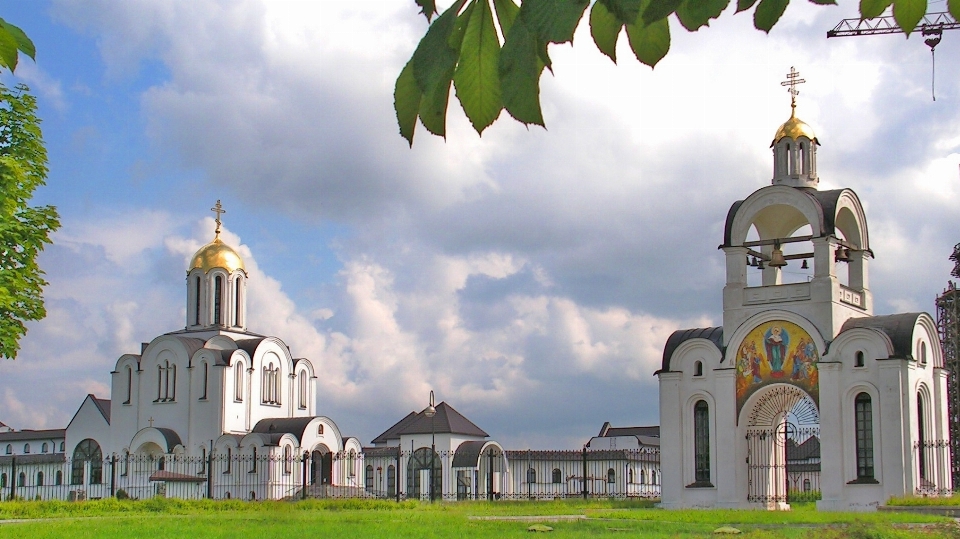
point(382, 473)
point(932, 459)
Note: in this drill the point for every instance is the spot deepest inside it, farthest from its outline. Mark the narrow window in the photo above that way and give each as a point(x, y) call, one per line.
point(701, 442)
point(238, 382)
point(39, 479)
point(129, 384)
point(229, 460)
point(203, 460)
point(61, 447)
point(391, 481)
point(253, 461)
point(237, 320)
point(286, 459)
point(217, 295)
point(159, 382)
point(698, 368)
point(806, 485)
point(303, 390)
point(368, 477)
point(352, 463)
point(863, 410)
point(206, 375)
point(22, 479)
point(196, 306)
point(630, 475)
point(611, 476)
point(43, 448)
point(26, 448)
point(531, 476)
point(922, 442)
point(173, 386)
point(923, 353)
point(643, 477)
point(9, 449)
point(859, 359)
point(58, 479)
point(3, 480)
point(320, 430)
point(557, 476)
point(653, 477)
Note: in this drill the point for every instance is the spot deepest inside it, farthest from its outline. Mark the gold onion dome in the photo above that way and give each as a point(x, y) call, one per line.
point(795, 128)
point(216, 254)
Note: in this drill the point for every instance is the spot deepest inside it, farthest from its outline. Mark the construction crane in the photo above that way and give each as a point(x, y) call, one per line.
point(931, 27)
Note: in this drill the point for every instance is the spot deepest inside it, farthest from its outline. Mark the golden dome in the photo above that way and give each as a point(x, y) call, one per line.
point(795, 128)
point(216, 254)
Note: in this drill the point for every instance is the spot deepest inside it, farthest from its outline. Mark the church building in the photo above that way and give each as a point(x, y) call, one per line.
point(802, 373)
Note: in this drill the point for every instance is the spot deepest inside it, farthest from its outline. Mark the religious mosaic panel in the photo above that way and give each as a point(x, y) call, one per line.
point(777, 352)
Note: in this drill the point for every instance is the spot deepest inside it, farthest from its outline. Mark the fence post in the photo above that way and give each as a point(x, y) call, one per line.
point(584, 472)
point(209, 464)
point(490, 475)
point(13, 478)
point(113, 475)
point(396, 476)
point(303, 489)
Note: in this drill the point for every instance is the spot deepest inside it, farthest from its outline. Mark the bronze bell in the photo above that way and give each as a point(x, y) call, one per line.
point(804, 265)
point(842, 254)
point(776, 258)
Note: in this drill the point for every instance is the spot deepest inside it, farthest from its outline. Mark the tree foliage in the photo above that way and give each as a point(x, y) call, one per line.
point(494, 51)
point(12, 42)
point(24, 230)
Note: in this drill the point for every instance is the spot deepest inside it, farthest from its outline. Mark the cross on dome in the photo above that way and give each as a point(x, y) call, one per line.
point(218, 209)
point(792, 81)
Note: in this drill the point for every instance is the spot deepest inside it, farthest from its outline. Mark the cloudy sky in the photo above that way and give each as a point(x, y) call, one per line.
point(529, 276)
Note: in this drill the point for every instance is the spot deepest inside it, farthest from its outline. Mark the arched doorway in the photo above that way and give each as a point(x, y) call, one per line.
point(423, 469)
point(321, 466)
point(782, 446)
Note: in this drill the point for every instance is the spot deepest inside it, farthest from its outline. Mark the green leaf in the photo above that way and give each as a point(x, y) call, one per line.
point(824, 2)
point(743, 5)
point(659, 9)
point(694, 14)
point(650, 42)
point(553, 21)
point(433, 105)
point(477, 77)
point(626, 11)
point(768, 13)
point(23, 42)
point(520, 69)
point(908, 13)
point(873, 8)
point(954, 7)
point(434, 56)
point(507, 12)
point(406, 101)
point(605, 29)
point(8, 50)
point(428, 8)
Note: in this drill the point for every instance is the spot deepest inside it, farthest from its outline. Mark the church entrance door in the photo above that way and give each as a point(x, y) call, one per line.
point(783, 447)
point(321, 466)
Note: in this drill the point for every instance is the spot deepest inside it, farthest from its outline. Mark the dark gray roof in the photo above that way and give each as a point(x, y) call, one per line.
point(171, 437)
point(174, 477)
point(282, 425)
point(714, 335)
point(577, 455)
point(898, 327)
point(29, 435)
point(392, 432)
point(809, 449)
point(41, 458)
point(249, 345)
point(374, 452)
point(446, 421)
point(467, 454)
point(192, 345)
point(606, 431)
point(825, 202)
point(104, 406)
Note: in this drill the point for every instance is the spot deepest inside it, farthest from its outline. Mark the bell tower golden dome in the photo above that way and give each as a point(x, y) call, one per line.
point(216, 285)
point(795, 145)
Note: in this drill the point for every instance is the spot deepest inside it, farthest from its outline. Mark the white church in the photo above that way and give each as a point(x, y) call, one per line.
point(801, 360)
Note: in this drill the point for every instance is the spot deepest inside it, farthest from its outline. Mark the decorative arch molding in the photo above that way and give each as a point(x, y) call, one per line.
point(127, 360)
point(874, 343)
point(926, 327)
point(766, 407)
point(849, 217)
point(166, 439)
point(744, 214)
point(693, 350)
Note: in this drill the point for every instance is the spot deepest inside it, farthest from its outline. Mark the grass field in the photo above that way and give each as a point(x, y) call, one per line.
point(160, 518)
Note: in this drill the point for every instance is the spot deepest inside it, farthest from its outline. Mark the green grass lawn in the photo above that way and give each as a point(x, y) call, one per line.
point(370, 520)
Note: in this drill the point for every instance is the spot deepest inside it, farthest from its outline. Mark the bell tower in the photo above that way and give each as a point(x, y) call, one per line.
point(809, 247)
point(216, 285)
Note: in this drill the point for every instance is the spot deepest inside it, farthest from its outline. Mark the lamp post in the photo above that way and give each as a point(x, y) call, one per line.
point(430, 411)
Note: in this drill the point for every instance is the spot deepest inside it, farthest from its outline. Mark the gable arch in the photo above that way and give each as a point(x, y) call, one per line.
point(769, 316)
point(776, 211)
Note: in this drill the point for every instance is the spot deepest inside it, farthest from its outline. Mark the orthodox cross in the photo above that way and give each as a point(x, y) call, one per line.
point(218, 209)
point(150, 421)
point(792, 81)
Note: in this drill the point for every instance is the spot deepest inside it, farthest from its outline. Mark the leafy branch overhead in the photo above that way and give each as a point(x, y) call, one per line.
point(12, 42)
point(494, 51)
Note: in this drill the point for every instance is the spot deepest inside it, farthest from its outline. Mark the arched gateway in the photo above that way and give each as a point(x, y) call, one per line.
point(783, 400)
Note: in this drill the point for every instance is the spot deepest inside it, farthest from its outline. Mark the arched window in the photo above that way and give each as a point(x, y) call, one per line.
point(653, 477)
point(922, 438)
point(9, 449)
point(863, 418)
point(531, 475)
point(39, 479)
point(61, 446)
point(87, 452)
point(287, 464)
point(643, 477)
point(701, 442)
point(3, 480)
point(923, 353)
point(206, 376)
point(129, 372)
point(196, 306)
point(391, 481)
point(43, 447)
point(236, 298)
point(26, 449)
point(22, 479)
point(859, 359)
point(806, 485)
point(58, 479)
point(611, 476)
point(238, 382)
point(302, 379)
point(217, 299)
point(229, 460)
point(352, 463)
point(368, 477)
point(629, 475)
point(698, 368)
point(253, 460)
point(557, 476)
